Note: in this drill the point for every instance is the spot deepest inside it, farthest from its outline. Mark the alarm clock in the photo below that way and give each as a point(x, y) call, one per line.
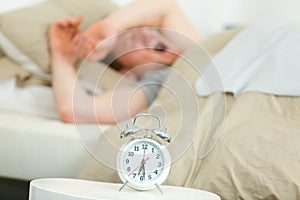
point(143, 162)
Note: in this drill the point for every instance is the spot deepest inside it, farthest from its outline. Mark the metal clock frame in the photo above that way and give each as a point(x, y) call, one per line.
point(131, 131)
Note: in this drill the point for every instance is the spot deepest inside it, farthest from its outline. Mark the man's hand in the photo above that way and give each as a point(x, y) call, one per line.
point(61, 34)
point(88, 42)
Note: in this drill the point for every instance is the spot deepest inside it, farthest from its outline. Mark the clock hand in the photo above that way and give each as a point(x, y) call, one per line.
point(134, 170)
point(139, 166)
point(145, 160)
point(142, 169)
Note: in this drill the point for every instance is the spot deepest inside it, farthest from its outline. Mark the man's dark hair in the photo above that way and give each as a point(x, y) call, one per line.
point(112, 62)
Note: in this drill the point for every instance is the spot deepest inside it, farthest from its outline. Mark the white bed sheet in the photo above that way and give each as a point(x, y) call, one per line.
point(34, 99)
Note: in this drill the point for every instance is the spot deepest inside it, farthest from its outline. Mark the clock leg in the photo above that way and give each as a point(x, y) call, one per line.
point(121, 188)
point(160, 190)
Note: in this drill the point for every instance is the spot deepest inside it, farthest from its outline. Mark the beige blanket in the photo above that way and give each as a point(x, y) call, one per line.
point(256, 157)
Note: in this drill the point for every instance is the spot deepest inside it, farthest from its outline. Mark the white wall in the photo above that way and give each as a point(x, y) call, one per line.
point(210, 16)
point(7, 5)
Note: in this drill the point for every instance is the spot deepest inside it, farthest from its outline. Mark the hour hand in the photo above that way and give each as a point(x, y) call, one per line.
point(142, 170)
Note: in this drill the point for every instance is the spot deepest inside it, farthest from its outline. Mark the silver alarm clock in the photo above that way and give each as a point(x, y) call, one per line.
point(143, 163)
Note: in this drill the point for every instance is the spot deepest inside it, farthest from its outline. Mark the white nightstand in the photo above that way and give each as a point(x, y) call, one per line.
point(75, 189)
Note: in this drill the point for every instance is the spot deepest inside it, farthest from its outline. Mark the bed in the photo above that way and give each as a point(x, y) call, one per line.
point(34, 142)
point(242, 147)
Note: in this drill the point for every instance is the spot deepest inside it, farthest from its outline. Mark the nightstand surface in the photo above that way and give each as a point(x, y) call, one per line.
point(75, 189)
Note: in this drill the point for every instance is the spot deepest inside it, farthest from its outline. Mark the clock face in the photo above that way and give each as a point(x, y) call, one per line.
point(143, 163)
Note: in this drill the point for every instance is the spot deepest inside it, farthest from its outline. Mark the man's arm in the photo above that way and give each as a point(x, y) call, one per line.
point(73, 103)
point(140, 13)
point(154, 13)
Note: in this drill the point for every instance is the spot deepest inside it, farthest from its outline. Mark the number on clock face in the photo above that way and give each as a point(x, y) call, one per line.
point(143, 161)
